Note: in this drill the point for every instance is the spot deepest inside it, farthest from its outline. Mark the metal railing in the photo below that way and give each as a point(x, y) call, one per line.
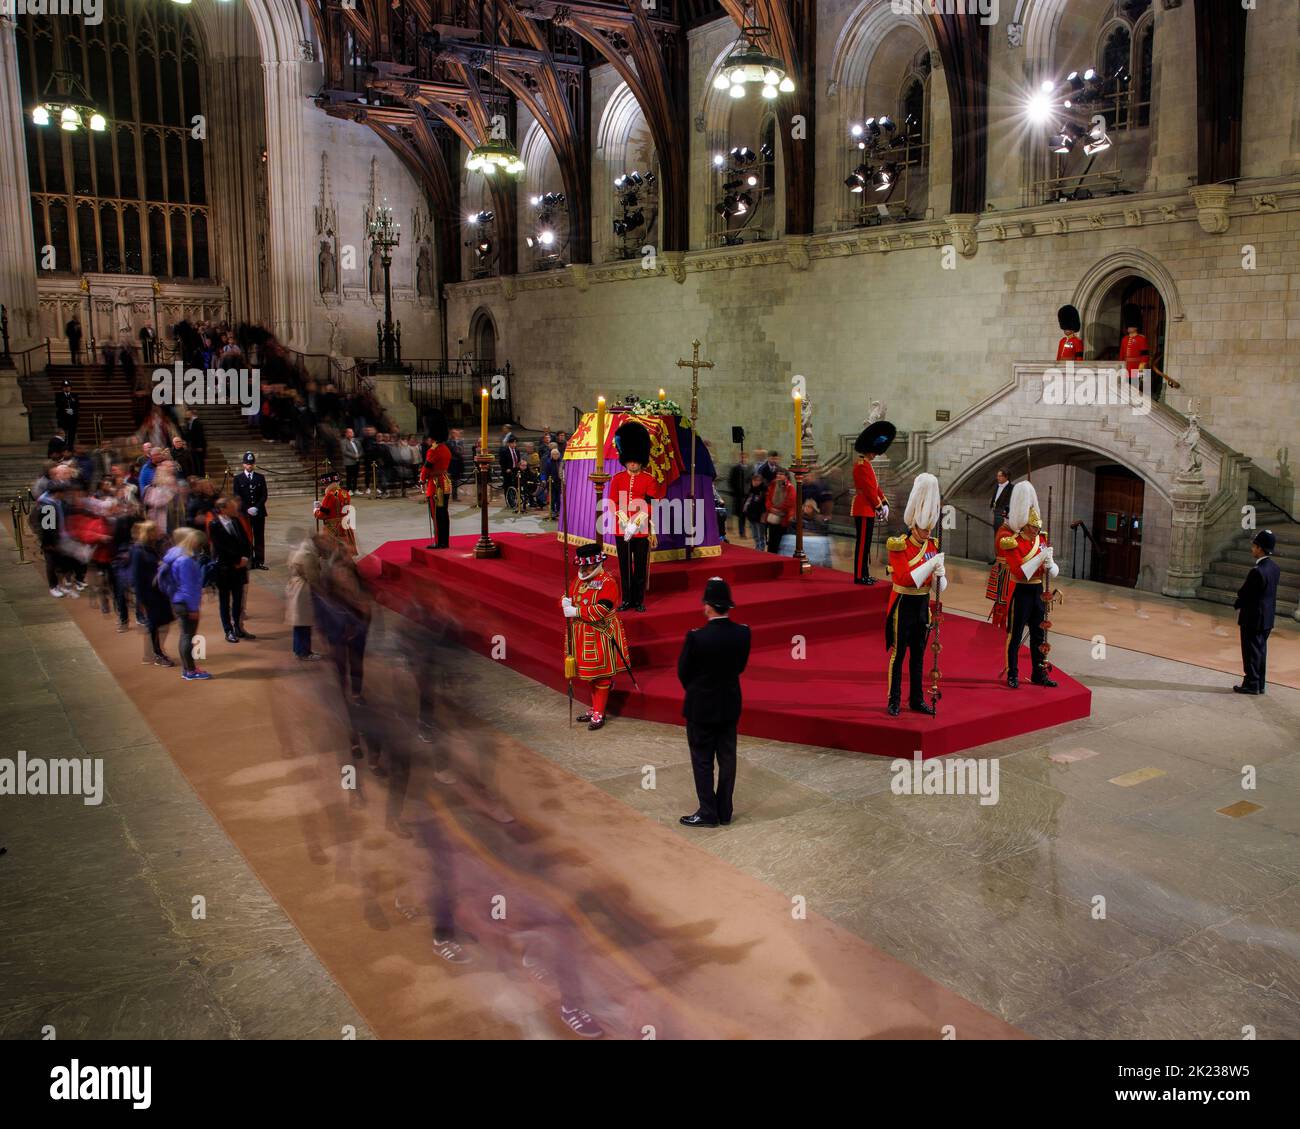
point(968, 517)
point(453, 385)
point(1083, 566)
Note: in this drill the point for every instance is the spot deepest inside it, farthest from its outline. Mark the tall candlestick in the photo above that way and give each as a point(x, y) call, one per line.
point(798, 428)
point(483, 434)
point(600, 434)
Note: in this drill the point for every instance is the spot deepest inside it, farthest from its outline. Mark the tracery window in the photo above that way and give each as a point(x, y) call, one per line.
point(132, 198)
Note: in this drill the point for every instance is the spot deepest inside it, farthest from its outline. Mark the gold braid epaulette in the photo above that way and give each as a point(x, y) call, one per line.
point(896, 544)
point(1007, 543)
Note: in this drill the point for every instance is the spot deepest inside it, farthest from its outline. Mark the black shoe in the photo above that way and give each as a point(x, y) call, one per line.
point(639, 608)
point(245, 634)
point(1043, 681)
point(1244, 690)
point(921, 707)
point(584, 716)
point(624, 606)
point(893, 709)
point(597, 721)
point(1013, 682)
point(697, 820)
point(231, 637)
point(868, 580)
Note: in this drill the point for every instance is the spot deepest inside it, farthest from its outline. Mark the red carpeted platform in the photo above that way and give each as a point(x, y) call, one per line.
point(834, 695)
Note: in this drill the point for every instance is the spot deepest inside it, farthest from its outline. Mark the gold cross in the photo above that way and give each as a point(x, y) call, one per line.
point(695, 364)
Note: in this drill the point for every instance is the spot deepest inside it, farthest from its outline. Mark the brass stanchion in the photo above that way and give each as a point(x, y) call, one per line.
point(18, 510)
point(485, 546)
point(800, 469)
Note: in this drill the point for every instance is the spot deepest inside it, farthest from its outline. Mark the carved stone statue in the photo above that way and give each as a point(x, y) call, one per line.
point(876, 414)
point(336, 336)
point(809, 443)
point(424, 272)
point(327, 269)
point(1185, 444)
point(376, 271)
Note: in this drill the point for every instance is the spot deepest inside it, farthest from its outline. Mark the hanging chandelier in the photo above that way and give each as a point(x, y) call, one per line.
point(66, 101)
point(494, 154)
point(491, 157)
point(748, 62)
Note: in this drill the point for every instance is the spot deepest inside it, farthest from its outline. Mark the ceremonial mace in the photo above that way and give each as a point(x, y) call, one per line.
point(800, 470)
point(1049, 596)
point(694, 364)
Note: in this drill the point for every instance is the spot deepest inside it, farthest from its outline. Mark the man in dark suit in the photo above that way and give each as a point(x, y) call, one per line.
point(250, 488)
point(1256, 604)
point(709, 668)
point(1000, 505)
point(233, 553)
point(511, 463)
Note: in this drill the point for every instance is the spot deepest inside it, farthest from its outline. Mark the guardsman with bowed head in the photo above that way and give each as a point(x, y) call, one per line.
point(436, 480)
point(1028, 559)
point(869, 501)
point(630, 494)
point(333, 511)
point(1070, 347)
point(917, 568)
point(599, 645)
point(250, 488)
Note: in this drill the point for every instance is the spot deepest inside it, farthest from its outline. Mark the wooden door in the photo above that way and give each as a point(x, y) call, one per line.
point(1118, 525)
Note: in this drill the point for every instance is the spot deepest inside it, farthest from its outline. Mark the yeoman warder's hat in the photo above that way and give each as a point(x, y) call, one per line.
point(590, 552)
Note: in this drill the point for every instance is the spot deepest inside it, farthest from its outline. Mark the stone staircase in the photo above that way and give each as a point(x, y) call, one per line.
point(1227, 572)
point(109, 397)
point(20, 466)
point(229, 435)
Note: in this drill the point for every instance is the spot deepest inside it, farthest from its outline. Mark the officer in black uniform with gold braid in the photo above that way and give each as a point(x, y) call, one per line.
point(914, 564)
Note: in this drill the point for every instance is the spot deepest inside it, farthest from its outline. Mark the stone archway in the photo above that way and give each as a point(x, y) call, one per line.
point(1094, 294)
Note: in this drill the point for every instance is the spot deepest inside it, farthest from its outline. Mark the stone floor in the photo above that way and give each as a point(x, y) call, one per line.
point(1119, 888)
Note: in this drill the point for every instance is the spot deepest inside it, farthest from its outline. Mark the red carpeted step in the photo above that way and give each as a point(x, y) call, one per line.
point(817, 668)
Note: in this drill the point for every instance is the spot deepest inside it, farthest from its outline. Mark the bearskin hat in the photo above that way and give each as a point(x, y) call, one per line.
point(1067, 317)
point(632, 442)
point(875, 440)
point(435, 425)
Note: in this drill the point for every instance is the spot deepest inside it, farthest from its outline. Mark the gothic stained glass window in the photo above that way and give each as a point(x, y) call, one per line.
point(143, 70)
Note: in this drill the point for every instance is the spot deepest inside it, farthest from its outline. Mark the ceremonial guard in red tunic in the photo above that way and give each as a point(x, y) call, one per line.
point(1070, 347)
point(869, 501)
point(1030, 564)
point(1134, 349)
point(915, 564)
point(630, 493)
point(334, 512)
point(436, 480)
point(999, 584)
point(599, 645)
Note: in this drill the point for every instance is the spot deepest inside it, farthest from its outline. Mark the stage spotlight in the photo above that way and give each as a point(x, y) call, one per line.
point(634, 178)
point(535, 201)
point(635, 220)
point(531, 242)
point(731, 186)
point(743, 203)
point(856, 130)
point(765, 151)
point(628, 200)
point(751, 180)
point(482, 218)
point(649, 178)
point(1097, 143)
point(618, 180)
point(1047, 86)
point(718, 160)
point(724, 206)
point(553, 200)
point(887, 124)
point(1060, 144)
point(883, 180)
point(854, 183)
point(1040, 108)
point(546, 238)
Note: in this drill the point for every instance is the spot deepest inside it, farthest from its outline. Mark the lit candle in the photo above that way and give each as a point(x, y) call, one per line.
point(483, 435)
point(662, 395)
point(798, 428)
point(600, 434)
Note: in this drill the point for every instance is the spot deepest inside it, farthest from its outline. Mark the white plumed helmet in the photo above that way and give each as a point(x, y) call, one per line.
point(923, 503)
point(1024, 506)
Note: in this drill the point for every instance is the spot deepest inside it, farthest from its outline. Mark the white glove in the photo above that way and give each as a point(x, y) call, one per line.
point(570, 610)
point(629, 532)
point(883, 512)
point(943, 583)
point(1031, 565)
point(921, 573)
point(1049, 553)
point(1053, 570)
point(252, 511)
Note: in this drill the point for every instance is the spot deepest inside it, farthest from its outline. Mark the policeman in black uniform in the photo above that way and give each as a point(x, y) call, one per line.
point(250, 488)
